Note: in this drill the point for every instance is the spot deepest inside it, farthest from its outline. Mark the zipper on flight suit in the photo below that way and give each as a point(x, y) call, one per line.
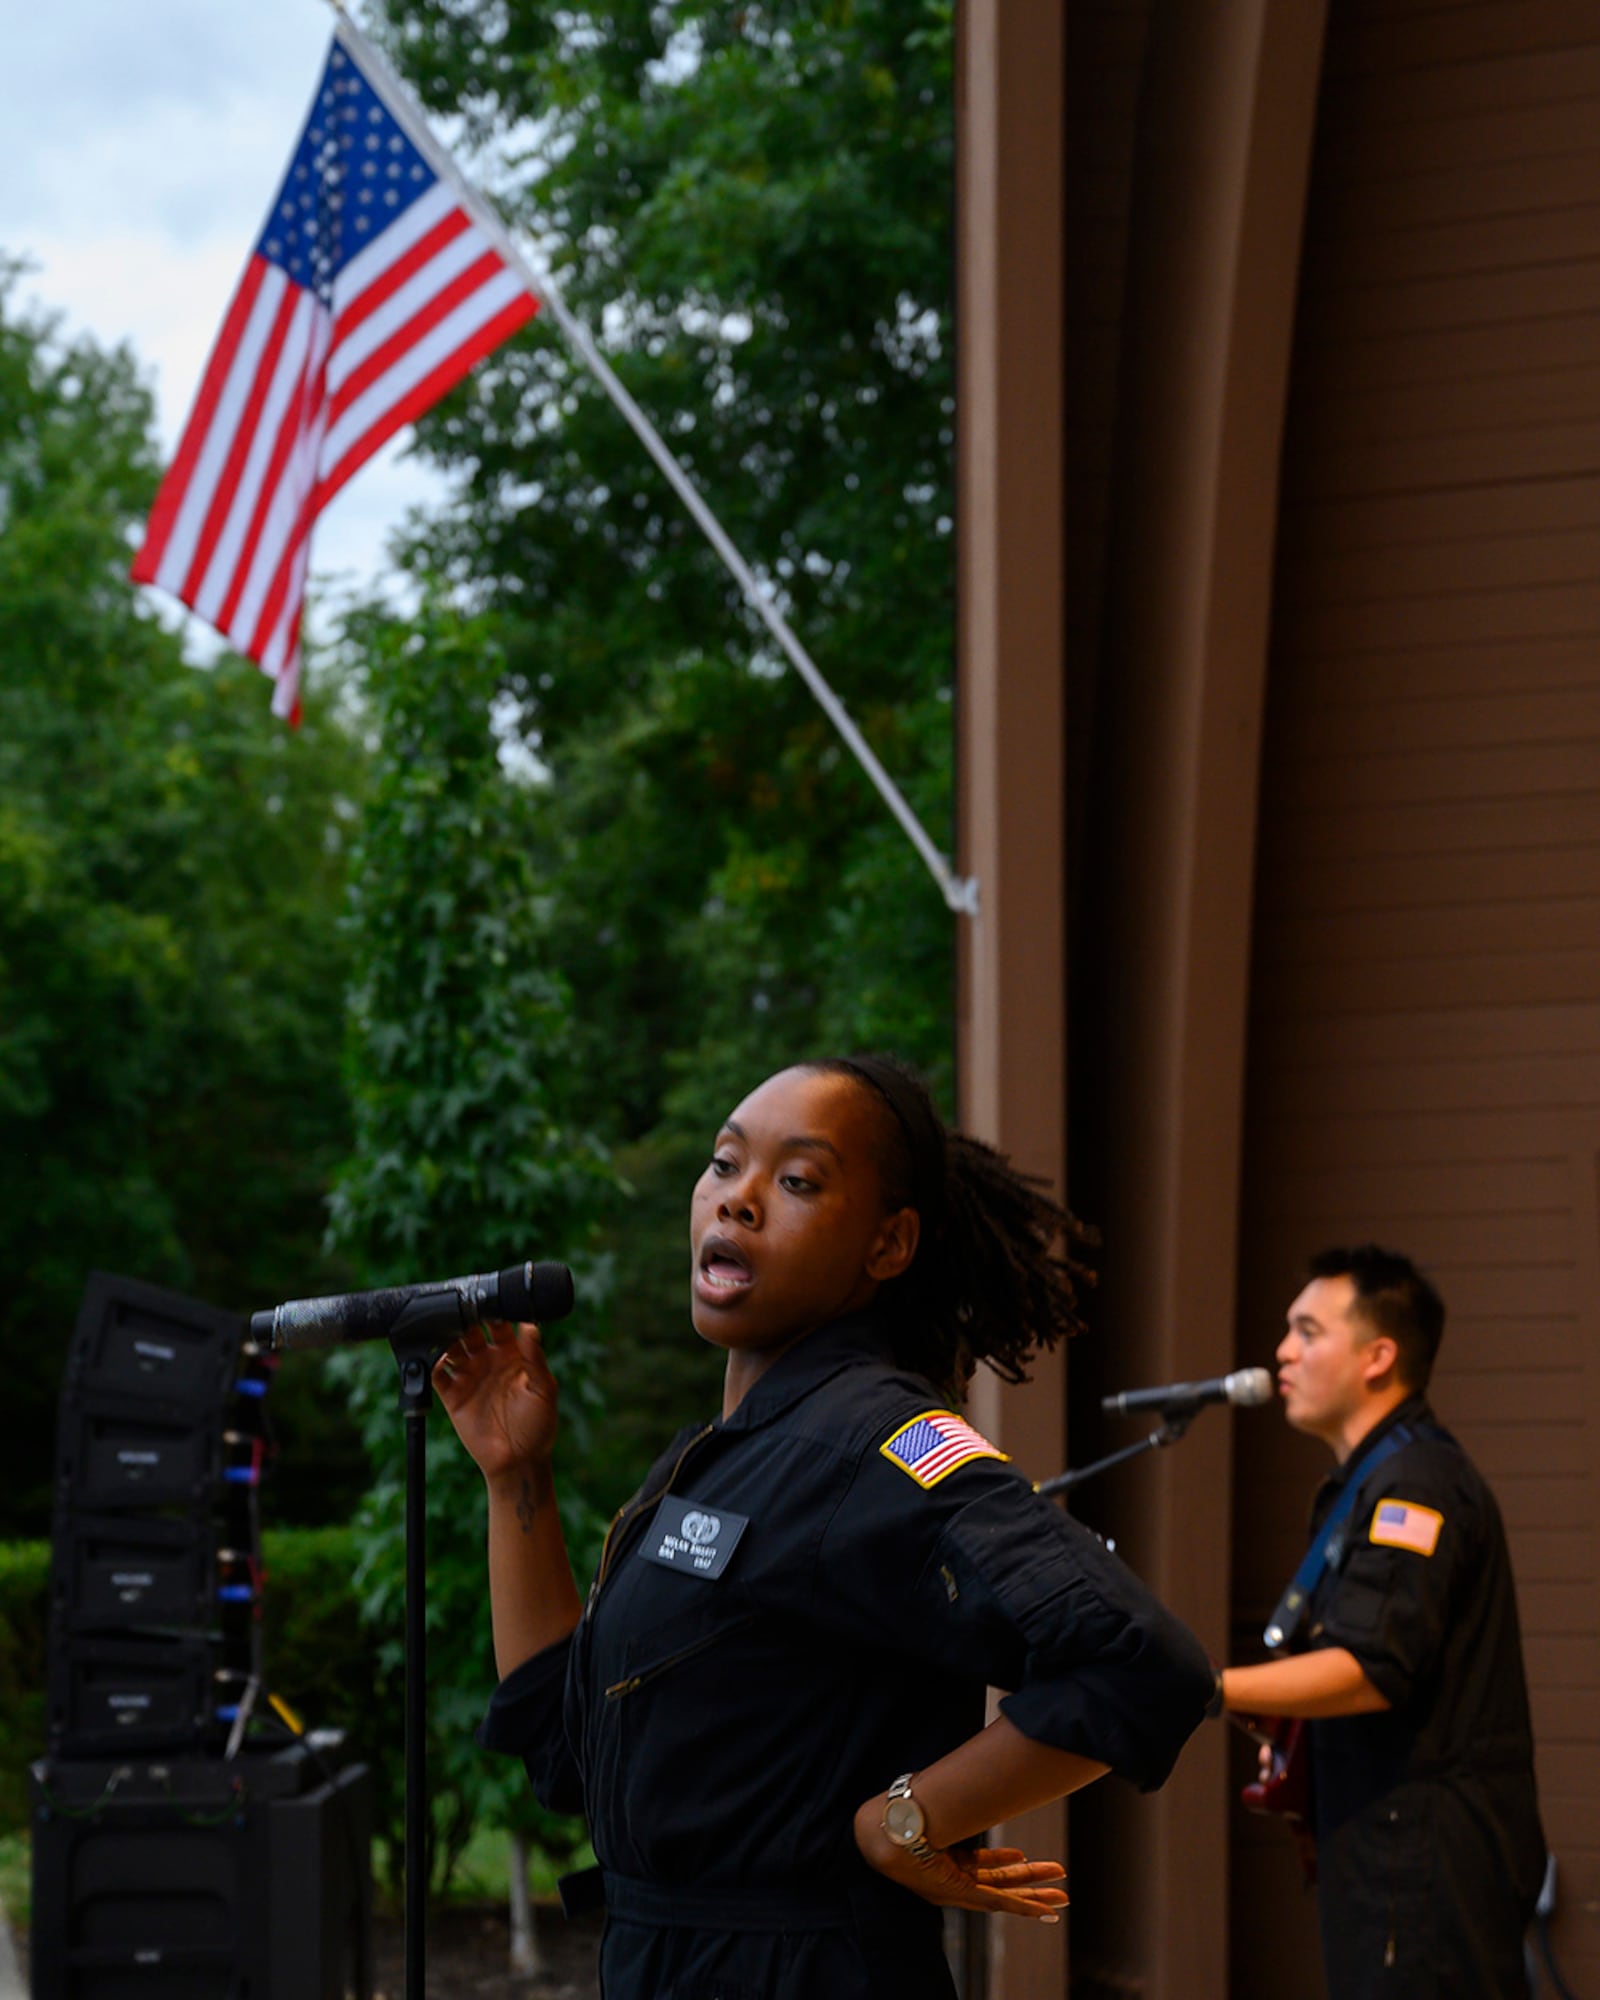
point(618, 1689)
point(1391, 1949)
point(637, 1507)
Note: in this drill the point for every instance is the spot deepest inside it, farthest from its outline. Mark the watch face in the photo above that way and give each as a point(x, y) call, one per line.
point(903, 1821)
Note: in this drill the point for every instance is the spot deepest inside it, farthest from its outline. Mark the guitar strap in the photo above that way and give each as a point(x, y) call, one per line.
point(1324, 1551)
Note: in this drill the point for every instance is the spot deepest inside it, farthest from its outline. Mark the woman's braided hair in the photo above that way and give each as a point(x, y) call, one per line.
point(994, 1278)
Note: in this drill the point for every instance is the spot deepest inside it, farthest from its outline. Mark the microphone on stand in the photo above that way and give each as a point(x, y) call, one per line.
point(1245, 1388)
point(538, 1292)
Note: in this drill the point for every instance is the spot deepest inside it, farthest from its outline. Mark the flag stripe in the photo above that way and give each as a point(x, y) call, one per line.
point(285, 503)
point(434, 300)
point(278, 645)
point(264, 539)
point(345, 325)
point(225, 579)
point(372, 317)
point(232, 391)
point(164, 513)
point(451, 351)
point(288, 518)
point(219, 503)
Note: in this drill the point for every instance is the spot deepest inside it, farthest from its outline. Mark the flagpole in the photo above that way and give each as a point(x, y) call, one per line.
point(960, 892)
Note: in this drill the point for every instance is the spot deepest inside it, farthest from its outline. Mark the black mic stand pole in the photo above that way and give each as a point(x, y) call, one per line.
point(417, 1338)
point(1173, 1426)
point(416, 1398)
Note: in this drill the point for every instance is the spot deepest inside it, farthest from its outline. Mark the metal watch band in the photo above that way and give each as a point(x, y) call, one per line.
point(917, 1847)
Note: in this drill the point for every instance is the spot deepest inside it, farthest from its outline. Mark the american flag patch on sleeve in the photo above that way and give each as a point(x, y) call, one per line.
point(1402, 1524)
point(934, 1444)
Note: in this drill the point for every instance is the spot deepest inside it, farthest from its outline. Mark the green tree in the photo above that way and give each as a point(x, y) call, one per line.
point(751, 206)
point(468, 1154)
point(171, 872)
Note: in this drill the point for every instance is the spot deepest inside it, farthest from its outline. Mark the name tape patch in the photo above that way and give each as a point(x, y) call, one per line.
point(689, 1536)
point(931, 1446)
point(1402, 1524)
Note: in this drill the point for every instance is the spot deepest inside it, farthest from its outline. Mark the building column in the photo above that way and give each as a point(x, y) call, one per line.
point(1219, 197)
point(1010, 723)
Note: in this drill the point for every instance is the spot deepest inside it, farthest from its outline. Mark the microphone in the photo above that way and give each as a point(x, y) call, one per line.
point(1244, 1388)
point(538, 1292)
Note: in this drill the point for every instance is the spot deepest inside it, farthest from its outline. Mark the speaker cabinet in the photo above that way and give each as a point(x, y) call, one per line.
point(136, 1342)
point(132, 1696)
point(124, 1573)
point(197, 1880)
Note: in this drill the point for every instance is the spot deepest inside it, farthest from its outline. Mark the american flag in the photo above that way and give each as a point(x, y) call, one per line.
point(935, 1444)
point(1401, 1524)
point(372, 290)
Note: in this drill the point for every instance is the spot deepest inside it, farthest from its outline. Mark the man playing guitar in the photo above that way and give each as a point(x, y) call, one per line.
point(1396, 1647)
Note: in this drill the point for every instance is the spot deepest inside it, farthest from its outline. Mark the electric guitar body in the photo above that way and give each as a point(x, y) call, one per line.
point(1285, 1792)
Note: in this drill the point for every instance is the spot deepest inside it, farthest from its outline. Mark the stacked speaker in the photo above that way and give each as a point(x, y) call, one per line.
point(170, 1835)
point(157, 1550)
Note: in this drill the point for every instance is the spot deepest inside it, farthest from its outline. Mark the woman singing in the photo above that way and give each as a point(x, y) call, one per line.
point(771, 1704)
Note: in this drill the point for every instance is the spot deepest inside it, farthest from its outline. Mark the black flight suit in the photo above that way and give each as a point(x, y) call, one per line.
point(734, 1692)
point(1429, 1849)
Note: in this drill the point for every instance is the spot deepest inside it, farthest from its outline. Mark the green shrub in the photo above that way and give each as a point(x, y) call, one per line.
point(316, 1652)
point(24, 1625)
point(323, 1661)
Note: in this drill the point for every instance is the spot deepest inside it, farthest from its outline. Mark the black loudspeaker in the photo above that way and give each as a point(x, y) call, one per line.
point(128, 1573)
point(119, 1454)
point(136, 1342)
point(202, 1880)
point(111, 1697)
point(155, 1579)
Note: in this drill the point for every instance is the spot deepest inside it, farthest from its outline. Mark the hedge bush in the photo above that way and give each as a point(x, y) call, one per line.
point(24, 1627)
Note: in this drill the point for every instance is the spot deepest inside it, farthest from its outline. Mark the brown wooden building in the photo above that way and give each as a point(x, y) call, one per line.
point(1280, 768)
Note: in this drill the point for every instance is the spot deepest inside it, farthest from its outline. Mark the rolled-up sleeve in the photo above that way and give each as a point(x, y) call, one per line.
point(980, 1576)
point(526, 1719)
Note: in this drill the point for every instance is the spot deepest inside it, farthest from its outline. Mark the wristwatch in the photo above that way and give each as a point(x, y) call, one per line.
point(903, 1820)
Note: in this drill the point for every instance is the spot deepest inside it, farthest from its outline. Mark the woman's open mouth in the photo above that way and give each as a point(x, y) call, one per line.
point(723, 1269)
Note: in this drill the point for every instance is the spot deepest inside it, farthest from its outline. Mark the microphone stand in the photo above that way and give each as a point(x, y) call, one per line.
point(1173, 1425)
point(416, 1398)
point(417, 1338)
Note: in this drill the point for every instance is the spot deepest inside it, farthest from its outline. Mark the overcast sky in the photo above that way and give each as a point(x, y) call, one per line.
point(140, 143)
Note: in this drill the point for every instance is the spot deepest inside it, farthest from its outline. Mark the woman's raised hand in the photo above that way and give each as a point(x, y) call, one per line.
point(498, 1391)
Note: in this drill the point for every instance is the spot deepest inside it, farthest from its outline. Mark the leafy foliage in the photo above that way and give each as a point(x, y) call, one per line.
point(466, 1156)
point(171, 868)
point(751, 206)
point(24, 1622)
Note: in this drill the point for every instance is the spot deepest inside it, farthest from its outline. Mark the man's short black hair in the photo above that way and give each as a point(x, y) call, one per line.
point(1399, 1301)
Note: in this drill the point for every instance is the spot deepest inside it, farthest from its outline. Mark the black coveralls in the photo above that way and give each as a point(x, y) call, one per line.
point(720, 1725)
point(1429, 1849)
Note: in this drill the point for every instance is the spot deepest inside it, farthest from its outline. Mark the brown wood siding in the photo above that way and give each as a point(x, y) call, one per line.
point(1425, 1030)
point(1106, 43)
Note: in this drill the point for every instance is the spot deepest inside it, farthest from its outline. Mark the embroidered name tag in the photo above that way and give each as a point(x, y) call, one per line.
point(1402, 1524)
point(696, 1539)
point(931, 1446)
